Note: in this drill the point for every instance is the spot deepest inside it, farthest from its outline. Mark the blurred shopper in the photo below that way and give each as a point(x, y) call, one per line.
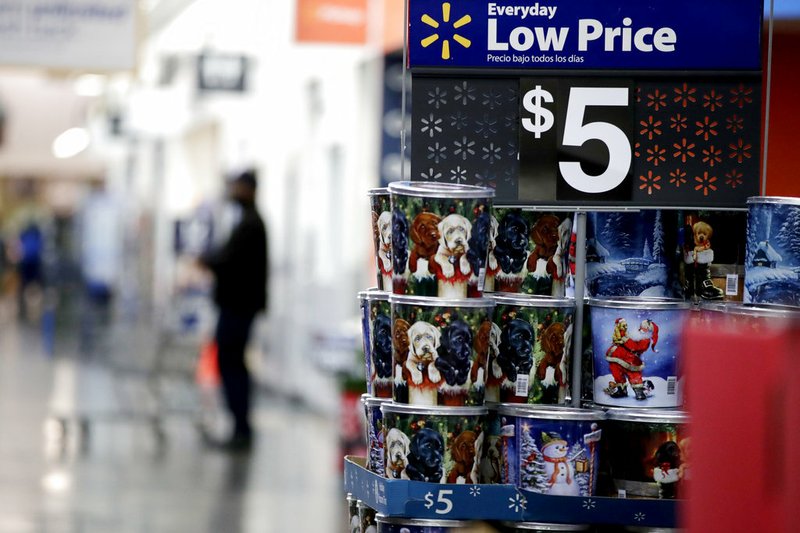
point(240, 267)
point(30, 265)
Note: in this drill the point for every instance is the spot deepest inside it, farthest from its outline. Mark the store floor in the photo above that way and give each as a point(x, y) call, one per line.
point(117, 478)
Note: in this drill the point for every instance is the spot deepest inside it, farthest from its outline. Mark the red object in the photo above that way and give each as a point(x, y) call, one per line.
point(207, 372)
point(332, 21)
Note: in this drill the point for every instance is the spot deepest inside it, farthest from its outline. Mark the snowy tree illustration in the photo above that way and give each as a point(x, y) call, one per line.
point(658, 239)
point(532, 467)
point(578, 453)
point(753, 237)
point(615, 236)
point(646, 251)
point(789, 234)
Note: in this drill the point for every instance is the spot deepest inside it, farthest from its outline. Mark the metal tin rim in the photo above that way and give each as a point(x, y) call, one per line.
point(411, 409)
point(378, 191)
point(430, 301)
point(662, 416)
point(439, 190)
point(752, 310)
point(551, 412)
point(373, 401)
point(639, 303)
point(785, 200)
point(546, 527)
point(419, 521)
point(374, 294)
point(530, 301)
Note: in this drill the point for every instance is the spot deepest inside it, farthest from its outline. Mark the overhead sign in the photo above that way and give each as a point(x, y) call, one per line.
point(332, 21)
point(624, 34)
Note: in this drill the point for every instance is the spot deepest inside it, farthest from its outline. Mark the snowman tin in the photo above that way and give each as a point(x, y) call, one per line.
point(376, 461)
point(440, 238)
point(636, 345)
point(530, 349)
point(772, 259)
point(380, 205)
point(647, 452)
point(441, 350)
point(551, 450)
point(433, 444)
point(376, 329)
point(415, 525)
point(525, 527)
point(367, 518)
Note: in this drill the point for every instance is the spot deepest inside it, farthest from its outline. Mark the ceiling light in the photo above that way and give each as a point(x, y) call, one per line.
point(71, 143)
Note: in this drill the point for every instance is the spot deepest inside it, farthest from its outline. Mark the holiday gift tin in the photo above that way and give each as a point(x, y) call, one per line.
point(629, 253)
point(636, 348)
point(433, 444)
point(752, 317)
point(376, 461)
point(441, 350)
point(382, 236)
point(376, 330)
point(530, 349)
point(526, 527)
point(415, 525)
point(772, 260)
point(440, 238)
point(367, 518)
point(528, 252)
point(647, 451)
point(353, 522)
point(550, 450)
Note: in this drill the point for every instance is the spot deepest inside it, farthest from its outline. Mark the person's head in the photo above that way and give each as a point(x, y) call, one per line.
point(242, 188)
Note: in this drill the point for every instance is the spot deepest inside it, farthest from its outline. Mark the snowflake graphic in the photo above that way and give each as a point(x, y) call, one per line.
point(458, 121)
point(509, 176)
point(685, 95)
point(437, 152)
point(486, 179)
point(657, 100)
point(741, 96)
point(705, 183)
point(437, 97)
point(458, 174)
point(678, 123)
point(650, 127)
point(735, 123)
point(712, 155)
point(706, 128)
point(636, 148)
point(431, 125)
point(491, 153)
point(650, 182)
point(512, 149)
point(655, 155)
point(734, 178)
point(638, 95)
point(464, 148)
point(464, 93)
point(589, 504)
point(517, 503)
point(510, 121)
point(492, 99)
point(683, 150)
point(740, 151)
point(677, 177)
point(639, 517)
point(431, 175)
point(712, 101)
point(475, 491)
point(486, 127)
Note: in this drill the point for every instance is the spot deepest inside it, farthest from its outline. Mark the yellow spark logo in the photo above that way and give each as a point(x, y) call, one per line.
point(433, 23)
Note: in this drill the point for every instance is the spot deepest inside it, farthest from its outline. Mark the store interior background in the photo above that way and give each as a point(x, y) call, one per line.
point(311, 121)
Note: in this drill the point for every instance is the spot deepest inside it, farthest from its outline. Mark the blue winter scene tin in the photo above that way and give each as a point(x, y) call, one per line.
point(376, 459)
point(637, 346)
point(630, 253)
point(772, 260)
point(413, 525)
point(550, 450)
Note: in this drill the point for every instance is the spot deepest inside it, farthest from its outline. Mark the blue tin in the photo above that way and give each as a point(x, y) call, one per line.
point(412, 525)
point(376, 459)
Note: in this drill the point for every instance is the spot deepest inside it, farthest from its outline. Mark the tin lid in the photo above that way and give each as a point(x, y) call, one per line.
point(755, 310)
point(540, 526)
point(430, 301)
point(378, 191)
point(663, 416)
point(400, 521)
point(392, 407)
point(373, 401)
point(622, 302)
point(550, 412)
point(373, 294)
point(522, 300)
point(439, 190)
point(790, 200)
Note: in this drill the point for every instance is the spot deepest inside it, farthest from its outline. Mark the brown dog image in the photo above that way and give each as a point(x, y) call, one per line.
point(545, 237)
point(481, 344)
point(463, 450)
point(553, 347)
point(697, 258)
point(400, 347)
point(424, 233)
point(702, 237)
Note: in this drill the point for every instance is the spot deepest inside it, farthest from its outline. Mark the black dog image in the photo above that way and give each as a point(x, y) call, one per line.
point(479, 243)
point(667, 470)
point(511, 249)
point(454, 353)
point(382, 346)
point(516, 349)
point(399, 241)
point(425, 457)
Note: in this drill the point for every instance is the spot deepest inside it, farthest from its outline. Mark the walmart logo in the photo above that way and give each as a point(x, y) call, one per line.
point(435, 24)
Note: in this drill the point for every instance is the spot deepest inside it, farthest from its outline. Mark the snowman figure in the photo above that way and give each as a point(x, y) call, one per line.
point(559, 472)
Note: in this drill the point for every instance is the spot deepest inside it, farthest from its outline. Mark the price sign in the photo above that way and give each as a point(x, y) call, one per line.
point(441, 503)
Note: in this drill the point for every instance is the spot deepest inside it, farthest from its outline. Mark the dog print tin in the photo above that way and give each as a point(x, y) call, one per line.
point(376, 331)
point(440, 238)
point(647, 451)
point(636, 346)
point(629, 253)
point(382, 236)
point(528, 252)
point(415, 525)
point(527, 527)
point(530, 361)
point(441, 350)
point(551, 450)
point(433, 444)
point(376, 460)
point(772, 261)
point(367, 517)
point(353, 523)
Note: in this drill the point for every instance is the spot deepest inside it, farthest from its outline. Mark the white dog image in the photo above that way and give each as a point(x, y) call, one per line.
point(397, 449)
point(560, 256)
point(385, 245)
point(493, 385)
point(491, 260)
point(423, 343)
point(454, 231)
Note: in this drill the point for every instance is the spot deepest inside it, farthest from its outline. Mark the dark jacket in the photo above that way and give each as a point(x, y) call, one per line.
point(241, 266)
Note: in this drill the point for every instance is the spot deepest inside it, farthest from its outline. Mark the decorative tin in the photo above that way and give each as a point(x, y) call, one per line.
point(772, 261)
point(629, 254)
point(636, 348)
point(491, 467)
point(648, 452)
point(377, 337)
point(382, 236)
point(524, 527)
point(551, 450)
point(533, 351)
point(441, 350)
point(440, 238)
point(353, 523)
point(415, 525)
point(754, 317)
point(376, 460)
point(433, 444)
point(366, 342)
point(367, 518)
point(528, 252)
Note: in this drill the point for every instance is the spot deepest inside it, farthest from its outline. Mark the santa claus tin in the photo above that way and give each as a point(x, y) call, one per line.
point(367, 517)
point(772, 260)
point(441, 350)
point(647, 451)
point(636, 347)
point(415, 525)
point(434, 444)
point(376, 461)
point(550, 450)
point(533, 350)
point(376, 331)
point(528, 252)
point(540, 526)
point(440, 238)
point(382, 236)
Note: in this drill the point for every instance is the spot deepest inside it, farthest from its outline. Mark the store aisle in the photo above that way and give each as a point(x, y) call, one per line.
point(120, 480)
